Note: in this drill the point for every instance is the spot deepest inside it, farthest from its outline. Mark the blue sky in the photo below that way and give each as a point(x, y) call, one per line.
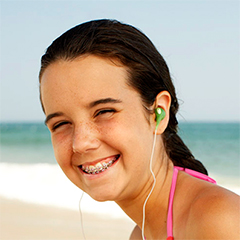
point(198, 39)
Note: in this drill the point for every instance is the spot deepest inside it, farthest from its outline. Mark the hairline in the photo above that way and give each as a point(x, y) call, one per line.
point(113, 59)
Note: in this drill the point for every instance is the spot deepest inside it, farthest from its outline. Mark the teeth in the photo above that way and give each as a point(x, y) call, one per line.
point(105, 165)
point(98, 168)
point(91, 167)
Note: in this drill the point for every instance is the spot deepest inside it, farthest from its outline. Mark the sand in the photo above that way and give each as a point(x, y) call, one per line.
point(19, 220)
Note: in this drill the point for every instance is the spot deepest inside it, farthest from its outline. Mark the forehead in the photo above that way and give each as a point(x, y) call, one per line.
point(84, 68)
point(85, 79)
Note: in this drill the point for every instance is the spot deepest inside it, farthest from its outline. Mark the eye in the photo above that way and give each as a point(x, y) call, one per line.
point(58, 125)
point(105, 112)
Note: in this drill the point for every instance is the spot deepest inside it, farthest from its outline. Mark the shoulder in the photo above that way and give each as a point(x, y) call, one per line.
point(215, 214)
point(136, 234)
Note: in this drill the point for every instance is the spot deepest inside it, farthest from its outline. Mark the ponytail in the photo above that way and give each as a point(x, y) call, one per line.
point(176, 149)
point(180, 155)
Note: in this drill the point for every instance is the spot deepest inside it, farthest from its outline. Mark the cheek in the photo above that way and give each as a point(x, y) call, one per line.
point(115, 133)
point(62, 150)
point(129, 135)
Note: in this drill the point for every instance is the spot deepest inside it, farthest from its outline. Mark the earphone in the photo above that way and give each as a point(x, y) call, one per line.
point(160, 115)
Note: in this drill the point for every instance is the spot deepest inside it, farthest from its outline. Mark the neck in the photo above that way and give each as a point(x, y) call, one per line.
point(157, 204)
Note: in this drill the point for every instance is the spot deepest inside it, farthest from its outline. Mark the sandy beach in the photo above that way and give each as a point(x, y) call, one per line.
point(20, 221)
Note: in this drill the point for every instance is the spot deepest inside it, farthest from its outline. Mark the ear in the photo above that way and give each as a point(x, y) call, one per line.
point(163, 100)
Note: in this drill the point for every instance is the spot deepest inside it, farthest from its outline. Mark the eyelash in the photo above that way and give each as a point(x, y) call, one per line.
point(105, 111)
point(101, 112)
point(58, 125)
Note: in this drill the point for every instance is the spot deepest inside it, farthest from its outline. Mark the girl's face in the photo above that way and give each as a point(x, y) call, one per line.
point(101, 137)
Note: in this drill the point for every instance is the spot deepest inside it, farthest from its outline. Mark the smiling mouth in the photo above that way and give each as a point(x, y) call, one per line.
point(100, 166)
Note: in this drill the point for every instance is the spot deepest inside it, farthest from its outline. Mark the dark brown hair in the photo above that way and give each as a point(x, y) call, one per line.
point(149, 74)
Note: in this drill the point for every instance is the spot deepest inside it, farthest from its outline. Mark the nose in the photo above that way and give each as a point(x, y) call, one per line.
point(85, 139)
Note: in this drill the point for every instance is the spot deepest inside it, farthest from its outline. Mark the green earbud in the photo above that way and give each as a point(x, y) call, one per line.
point(160, 115)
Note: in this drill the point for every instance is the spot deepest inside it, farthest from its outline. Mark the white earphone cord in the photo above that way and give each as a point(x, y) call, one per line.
point(144, 205)
point(154, 183)
point(81, 218)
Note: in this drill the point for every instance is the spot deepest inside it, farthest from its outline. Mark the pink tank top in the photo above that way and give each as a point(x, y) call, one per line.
point(172, 191)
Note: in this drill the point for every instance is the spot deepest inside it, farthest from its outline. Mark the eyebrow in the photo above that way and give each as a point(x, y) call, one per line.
point(91, 105)
point(52, 115)
point(104, 101)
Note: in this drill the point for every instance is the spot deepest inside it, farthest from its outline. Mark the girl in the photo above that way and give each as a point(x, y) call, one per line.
point(111, 109)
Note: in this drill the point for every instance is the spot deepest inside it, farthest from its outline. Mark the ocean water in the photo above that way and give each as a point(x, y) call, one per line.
point(29, 172)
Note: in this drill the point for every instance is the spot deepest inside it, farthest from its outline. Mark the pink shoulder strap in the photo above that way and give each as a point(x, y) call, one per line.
point(170, 204)
point(197, 174)
point(172, 191)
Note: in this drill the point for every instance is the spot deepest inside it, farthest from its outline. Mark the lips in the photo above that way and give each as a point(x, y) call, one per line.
point(99, 166)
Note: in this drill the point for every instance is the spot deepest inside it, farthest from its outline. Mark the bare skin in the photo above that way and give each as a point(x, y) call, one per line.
point(201, 211)
point(95, 117)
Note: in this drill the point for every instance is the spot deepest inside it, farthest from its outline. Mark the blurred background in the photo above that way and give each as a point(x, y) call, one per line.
point(200, 43)
point(198, 39)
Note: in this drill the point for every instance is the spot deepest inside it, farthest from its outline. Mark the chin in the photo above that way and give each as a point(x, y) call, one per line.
point(102, 196)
